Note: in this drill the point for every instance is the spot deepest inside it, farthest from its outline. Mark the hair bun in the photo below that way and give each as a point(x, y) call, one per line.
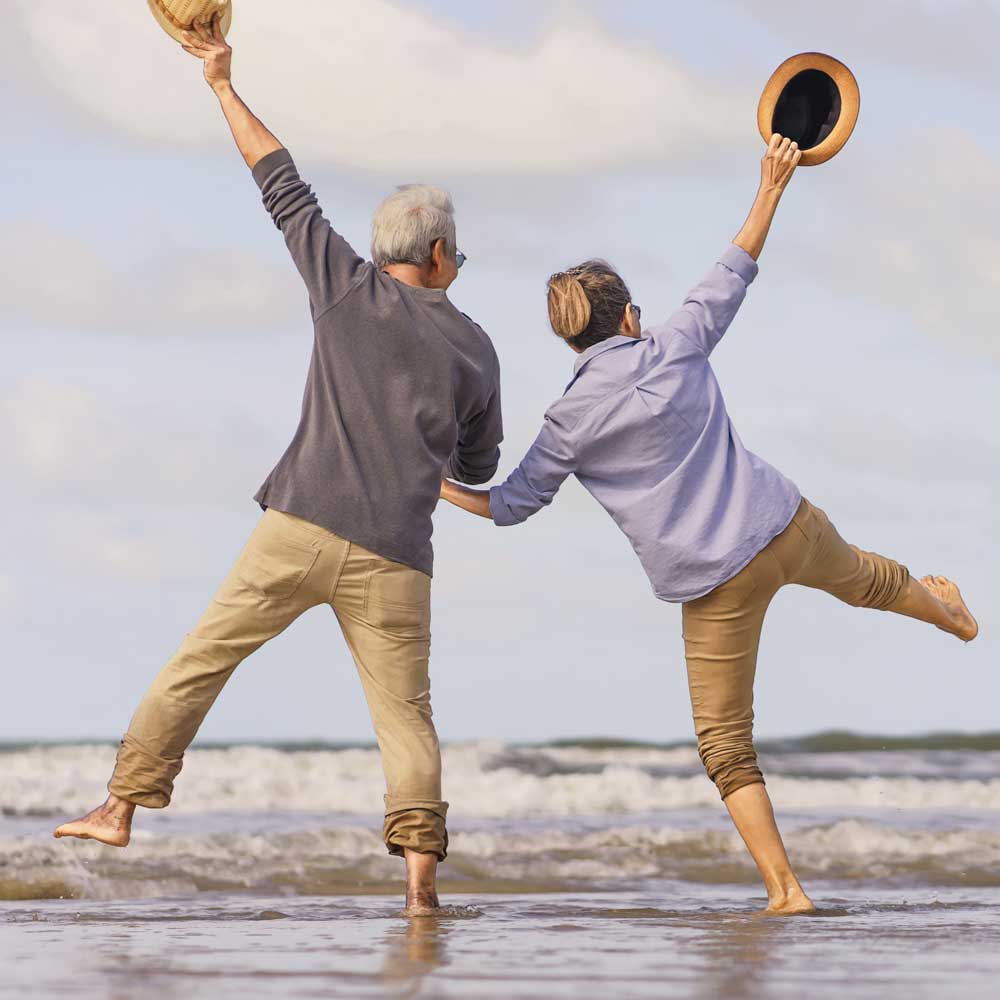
point(569, 307)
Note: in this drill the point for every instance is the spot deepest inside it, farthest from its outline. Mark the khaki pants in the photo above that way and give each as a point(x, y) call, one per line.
point(722, 631)
point(383, 607)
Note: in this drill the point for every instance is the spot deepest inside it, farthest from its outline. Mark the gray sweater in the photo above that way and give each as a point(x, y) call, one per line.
point(402, 389)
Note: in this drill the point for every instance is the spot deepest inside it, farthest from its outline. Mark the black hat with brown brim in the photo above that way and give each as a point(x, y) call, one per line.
point(812, 99)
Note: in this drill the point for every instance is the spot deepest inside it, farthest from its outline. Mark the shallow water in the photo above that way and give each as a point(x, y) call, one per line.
point(591, 870)
point(675, 943)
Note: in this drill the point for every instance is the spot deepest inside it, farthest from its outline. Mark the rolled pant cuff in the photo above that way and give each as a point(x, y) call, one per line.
point(729, 783)
point(142, 777)
point(417, 824)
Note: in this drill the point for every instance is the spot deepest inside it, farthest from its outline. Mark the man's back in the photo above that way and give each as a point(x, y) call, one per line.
point(402, 389)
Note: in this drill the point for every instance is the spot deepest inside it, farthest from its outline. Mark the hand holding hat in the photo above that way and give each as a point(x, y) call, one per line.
point(812, 99)
point(206, 42)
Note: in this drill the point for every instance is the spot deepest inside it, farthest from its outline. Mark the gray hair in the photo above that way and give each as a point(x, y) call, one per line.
point(406, 224)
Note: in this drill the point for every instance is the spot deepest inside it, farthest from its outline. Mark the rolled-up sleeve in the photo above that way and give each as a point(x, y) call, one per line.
point(712, 304)
point(477, 454)
point(533, 484)
point(326, 261)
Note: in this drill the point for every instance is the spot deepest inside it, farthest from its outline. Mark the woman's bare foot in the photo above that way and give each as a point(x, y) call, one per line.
point(965, 626)
point(790, 903)
point(110, 823)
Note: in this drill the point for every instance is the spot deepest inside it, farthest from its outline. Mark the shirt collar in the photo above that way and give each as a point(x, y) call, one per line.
point(605, 345)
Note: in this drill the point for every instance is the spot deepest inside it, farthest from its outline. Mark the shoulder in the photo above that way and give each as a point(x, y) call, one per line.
point(482, 338)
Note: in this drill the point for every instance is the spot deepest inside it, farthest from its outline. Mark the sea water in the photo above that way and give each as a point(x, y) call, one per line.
point(581, 870)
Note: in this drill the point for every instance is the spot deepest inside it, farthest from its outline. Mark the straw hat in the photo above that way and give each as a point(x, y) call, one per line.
point(812, 99)
point(175, 16)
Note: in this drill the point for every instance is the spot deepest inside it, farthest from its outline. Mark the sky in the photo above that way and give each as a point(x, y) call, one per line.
point(156, 337)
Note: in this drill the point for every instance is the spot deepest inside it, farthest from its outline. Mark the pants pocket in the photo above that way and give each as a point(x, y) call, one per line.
point(398, 597)
point(271, 567)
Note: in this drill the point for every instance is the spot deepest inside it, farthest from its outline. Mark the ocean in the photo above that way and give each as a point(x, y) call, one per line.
point(577, 869)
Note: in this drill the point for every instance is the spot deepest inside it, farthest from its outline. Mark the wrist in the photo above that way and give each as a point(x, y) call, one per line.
point(223, 88)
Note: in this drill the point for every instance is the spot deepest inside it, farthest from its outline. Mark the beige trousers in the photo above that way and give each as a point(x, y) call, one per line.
point(383, 607)
point(722, 631)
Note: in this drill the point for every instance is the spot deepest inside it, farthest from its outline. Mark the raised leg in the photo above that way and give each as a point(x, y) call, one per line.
point(271, 584)
point(869, 580)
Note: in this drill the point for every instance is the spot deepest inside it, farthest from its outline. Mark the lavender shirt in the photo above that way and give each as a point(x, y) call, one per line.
point(644, 427)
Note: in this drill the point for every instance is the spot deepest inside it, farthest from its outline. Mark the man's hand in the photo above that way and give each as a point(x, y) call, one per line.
point(779, 163)
point(206, 42)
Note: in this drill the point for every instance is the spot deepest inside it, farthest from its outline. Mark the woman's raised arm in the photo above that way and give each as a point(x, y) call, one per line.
point(776, 169)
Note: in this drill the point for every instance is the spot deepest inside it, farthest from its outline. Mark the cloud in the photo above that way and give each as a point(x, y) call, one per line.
point(921, 237)
point(954, 39)
point(372, 85)
point(71, 445)
point(54, 278)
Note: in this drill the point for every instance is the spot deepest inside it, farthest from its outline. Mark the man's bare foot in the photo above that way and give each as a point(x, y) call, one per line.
point(421, 884)
point(965, 626)
point(421, 903)
point(793, 902)
point(110, 823)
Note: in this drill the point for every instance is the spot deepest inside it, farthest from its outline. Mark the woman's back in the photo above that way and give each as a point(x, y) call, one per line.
point(643, 425)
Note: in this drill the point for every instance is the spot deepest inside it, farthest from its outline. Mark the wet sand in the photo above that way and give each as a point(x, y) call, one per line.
point(682, 941)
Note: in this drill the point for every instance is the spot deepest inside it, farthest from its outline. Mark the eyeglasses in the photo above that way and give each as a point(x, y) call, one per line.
point(460, 258)
point(637, 311)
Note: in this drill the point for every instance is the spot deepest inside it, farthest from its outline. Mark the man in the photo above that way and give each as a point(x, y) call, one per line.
point(401, 386)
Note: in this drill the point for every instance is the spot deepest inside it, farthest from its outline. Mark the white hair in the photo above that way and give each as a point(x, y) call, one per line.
point(406, 224)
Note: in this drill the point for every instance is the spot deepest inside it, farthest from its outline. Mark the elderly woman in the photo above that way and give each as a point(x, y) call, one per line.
point(644, 427)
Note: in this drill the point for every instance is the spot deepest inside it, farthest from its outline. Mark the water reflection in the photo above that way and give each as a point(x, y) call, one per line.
point(412, 952)
point(739, 956)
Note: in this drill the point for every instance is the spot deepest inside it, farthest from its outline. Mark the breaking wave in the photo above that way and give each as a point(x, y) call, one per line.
point(493, 780)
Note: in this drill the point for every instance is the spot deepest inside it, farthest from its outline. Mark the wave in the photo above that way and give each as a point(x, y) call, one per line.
point(498, 781)
point(348, 860)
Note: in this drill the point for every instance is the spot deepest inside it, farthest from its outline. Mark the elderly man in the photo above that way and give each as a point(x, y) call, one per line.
point(402, 388)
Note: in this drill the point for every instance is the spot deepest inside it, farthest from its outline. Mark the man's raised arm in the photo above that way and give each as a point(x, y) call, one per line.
point(207, 43)
point(326, 261)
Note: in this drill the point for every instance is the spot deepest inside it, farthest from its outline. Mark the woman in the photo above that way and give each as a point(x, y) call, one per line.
point(644, 427)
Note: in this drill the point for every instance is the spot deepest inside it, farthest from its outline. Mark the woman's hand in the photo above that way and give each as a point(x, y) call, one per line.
point(779, 163)
point(776, 169)
point(205, 42)
point(474, 501)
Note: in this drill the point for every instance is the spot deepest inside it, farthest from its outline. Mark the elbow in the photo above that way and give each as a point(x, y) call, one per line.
point(473, 473)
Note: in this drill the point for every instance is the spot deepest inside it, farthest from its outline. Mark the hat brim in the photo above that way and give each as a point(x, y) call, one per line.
point(850, 101)
point(173, 27)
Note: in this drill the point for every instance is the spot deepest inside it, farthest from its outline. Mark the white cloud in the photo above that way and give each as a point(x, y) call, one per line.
point(54, 278)
point(370, 84)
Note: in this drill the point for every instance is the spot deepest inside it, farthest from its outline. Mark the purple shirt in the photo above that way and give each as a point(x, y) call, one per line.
point(644, 427)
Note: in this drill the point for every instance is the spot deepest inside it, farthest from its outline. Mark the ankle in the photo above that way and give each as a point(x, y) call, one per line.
point(119, 808)
point(782, 892)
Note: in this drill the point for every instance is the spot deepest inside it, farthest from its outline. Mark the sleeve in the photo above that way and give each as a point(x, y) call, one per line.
point(325, 260)
point(477, 454)
point(710, 306)
point(533, 484)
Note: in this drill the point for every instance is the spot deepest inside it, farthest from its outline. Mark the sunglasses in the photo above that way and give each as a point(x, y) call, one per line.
point(460, 258)
point(636, 311)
